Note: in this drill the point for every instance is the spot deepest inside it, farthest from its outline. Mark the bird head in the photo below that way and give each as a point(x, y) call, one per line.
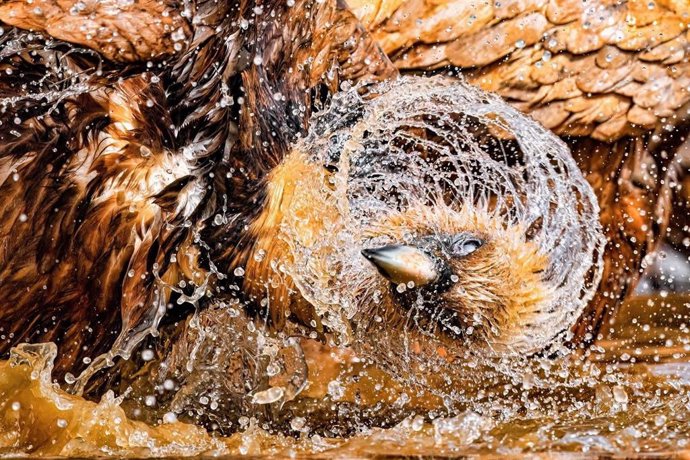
point(461, 277)
point(448, 239)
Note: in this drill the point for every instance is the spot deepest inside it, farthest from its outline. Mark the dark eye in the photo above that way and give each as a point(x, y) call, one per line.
point(466, 246)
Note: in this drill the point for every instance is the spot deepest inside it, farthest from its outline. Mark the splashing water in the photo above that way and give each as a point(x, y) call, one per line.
point(404, 144)
point(561, 405)
point(439, 143)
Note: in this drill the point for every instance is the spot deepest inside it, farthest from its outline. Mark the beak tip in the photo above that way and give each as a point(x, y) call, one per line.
point(401, 264)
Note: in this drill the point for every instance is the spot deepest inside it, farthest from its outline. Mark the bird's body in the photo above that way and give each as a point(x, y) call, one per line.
point(116, 174)
point(136, 187)
point(610, 77)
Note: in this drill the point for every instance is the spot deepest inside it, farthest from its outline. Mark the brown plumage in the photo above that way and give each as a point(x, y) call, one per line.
point(116, 173)
point(130, 177)
point(492, 284)
point(612, 78)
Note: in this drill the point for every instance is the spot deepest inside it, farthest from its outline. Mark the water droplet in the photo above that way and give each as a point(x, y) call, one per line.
point(226, 101)
point(259, 255)
point(417, 423)
point(298, 423)
point(147, 355)
point(178, 35)
point(335, 390)
point(272, 369)
point(269, 396)
point(619, 395)
point(239, 271)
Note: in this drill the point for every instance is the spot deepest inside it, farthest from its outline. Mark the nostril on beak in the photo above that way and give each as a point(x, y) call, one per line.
point(368, 254)
point(402, 264)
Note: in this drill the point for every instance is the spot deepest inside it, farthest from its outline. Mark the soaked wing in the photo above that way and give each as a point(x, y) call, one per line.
point(120, 31)
point(80, 171)
point(602, 69)
point(113, 170)
point(611, 77)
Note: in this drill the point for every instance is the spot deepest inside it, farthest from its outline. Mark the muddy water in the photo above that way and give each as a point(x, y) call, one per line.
point(629, 395)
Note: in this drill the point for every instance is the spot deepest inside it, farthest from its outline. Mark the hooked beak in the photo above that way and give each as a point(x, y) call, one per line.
point(402, 264)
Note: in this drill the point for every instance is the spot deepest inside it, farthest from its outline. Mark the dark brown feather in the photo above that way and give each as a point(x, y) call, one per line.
point(115, 170)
